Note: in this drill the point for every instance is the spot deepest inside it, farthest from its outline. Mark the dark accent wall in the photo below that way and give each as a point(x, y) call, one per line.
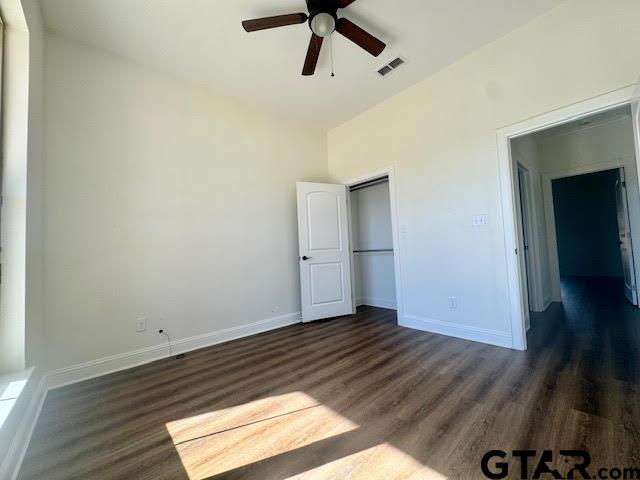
point(587, 225)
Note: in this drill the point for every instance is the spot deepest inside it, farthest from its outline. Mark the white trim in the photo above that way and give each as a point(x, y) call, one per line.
point(390, 172)
point(12, 462)
point(476, 334)
point(614, 164)
point(354, 300)
point(504, 136)
point(552, 242)
point(376, 302)
point(534, 280)
point(540, 305)
point(20, 442)
point(124, 361)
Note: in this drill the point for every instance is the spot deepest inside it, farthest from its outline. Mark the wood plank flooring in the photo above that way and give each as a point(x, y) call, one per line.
point(358, 397)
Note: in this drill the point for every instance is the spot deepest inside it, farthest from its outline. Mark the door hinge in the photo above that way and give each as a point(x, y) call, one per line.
point(516, 251)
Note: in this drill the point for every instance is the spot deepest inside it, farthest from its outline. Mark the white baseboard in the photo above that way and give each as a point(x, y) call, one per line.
point(376, 302)
point(12, 462)
point(123, 361)
point(18, 448)
point(545, 304)
point(476, 334)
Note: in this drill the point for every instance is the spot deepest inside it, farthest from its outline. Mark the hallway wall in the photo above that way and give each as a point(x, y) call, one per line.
point(586, 225)
point(524, 151)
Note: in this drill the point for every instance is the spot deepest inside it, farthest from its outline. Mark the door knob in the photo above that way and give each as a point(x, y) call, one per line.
point(305, 258)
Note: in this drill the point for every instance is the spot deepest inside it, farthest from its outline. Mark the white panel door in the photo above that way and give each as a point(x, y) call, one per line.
point(624, 239)
point(325, 255)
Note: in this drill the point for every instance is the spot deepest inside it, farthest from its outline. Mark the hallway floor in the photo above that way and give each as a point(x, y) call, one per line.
point(597, 328)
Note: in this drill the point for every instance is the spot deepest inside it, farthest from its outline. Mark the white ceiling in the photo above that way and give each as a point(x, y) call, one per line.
point(590, 121)
point(203, 41)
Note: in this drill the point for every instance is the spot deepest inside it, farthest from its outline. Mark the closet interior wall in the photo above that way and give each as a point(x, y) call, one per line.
point(373, 245)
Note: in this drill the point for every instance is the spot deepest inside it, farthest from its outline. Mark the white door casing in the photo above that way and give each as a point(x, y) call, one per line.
point(523, 229)
point(624, 238)
point(324, 251)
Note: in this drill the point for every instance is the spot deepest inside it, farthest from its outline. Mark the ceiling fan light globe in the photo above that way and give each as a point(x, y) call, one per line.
point(323, 24)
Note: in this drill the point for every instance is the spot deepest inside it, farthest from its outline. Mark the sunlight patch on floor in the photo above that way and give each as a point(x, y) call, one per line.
point(220, 441)
point(211, 423)
point(383, 462)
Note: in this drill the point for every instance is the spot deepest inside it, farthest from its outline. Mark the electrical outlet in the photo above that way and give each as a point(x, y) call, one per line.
point(453, 303)
point(141, 325)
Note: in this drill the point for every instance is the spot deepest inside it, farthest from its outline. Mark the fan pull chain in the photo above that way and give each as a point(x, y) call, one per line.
point(331, 45)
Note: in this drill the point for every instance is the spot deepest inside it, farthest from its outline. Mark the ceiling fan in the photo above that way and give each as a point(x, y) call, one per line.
point(323, 21)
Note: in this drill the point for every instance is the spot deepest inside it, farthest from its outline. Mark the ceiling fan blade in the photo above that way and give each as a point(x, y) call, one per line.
point(361, 38)
point(274, 22)
point(315, 45)
point(345, 3)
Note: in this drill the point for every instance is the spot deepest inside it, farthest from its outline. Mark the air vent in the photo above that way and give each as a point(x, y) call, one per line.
point(396, 63)
point(385, 70)
point(391, 66)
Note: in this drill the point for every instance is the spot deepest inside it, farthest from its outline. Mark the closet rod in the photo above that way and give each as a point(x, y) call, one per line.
point(374, 251)
point(371, 183)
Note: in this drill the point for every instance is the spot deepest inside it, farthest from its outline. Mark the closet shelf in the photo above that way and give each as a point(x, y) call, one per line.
point(374, 250)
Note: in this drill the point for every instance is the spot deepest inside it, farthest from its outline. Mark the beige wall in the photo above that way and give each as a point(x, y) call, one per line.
point(165, 201)
point(441, 133)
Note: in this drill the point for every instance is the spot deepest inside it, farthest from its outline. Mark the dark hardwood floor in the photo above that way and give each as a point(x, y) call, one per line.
point(359, 397)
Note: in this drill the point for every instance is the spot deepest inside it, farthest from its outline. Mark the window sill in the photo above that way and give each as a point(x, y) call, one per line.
point(11, 387)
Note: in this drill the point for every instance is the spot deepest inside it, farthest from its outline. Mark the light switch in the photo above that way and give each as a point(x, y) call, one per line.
point(453, 303)
point(480, 220)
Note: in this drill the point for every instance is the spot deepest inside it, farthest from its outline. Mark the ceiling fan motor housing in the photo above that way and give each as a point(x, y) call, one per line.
point(323, 18)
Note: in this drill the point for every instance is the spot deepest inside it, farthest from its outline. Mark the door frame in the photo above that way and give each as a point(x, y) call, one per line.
point(550, 217)
point(526, 229)
point(508, 175)
point(389, 172)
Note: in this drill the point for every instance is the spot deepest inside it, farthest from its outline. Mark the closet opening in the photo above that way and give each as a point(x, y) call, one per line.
point(373, 262)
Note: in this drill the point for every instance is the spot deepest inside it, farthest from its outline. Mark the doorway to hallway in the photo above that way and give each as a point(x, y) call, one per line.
point(592, 228)
point(577, 207)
